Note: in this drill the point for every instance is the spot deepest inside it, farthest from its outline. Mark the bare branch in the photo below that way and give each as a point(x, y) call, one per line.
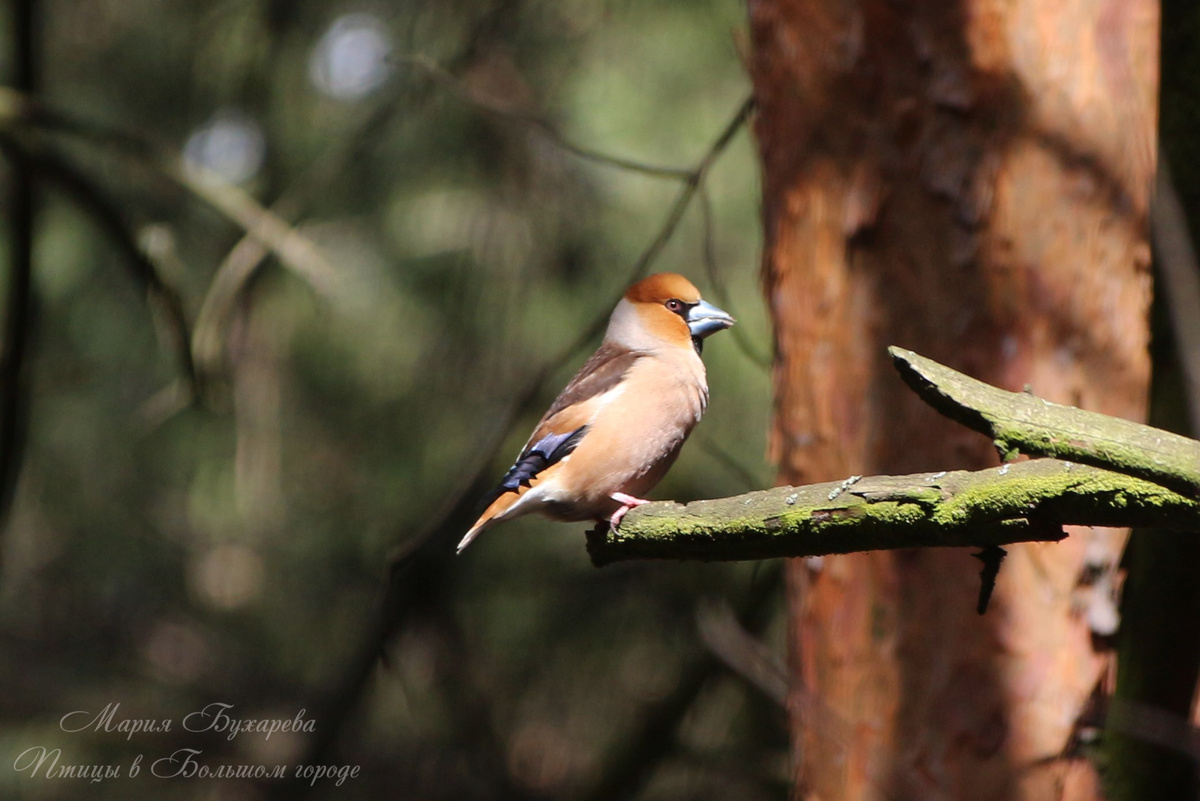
point(428, 67)
point(741, 651)
point(748, 348)
point(106, 213)
point(293, 249)
point(692, 178)
point(673, 218)
point(693, 182)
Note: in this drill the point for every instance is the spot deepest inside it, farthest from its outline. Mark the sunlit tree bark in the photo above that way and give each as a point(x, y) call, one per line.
point(971, 180)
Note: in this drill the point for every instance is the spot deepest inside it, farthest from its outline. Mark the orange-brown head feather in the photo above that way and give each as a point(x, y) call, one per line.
point(652, 313)
point(661, 287)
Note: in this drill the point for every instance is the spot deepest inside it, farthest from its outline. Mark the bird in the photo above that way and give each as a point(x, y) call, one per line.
point(618, 425)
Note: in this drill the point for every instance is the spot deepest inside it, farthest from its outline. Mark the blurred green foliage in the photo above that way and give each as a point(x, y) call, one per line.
point(165, 556)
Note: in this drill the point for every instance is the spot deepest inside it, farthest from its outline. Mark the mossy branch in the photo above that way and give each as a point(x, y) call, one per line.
point(1021, 502)
point(1150, 483)
point(1019, 422)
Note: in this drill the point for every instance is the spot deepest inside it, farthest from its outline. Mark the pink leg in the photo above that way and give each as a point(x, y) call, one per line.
point(627, 502)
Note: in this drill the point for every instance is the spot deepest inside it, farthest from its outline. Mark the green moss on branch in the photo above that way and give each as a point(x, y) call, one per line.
point(1153, 479)
point(1021, 422)
point(1019, 502)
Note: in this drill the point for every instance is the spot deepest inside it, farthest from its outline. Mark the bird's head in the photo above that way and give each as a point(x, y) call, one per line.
point(665, 310)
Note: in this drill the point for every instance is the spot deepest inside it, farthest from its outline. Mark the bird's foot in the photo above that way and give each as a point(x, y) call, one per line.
point(627, 502)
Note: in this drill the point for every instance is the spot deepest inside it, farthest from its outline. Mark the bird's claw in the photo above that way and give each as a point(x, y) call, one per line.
point(627, 502)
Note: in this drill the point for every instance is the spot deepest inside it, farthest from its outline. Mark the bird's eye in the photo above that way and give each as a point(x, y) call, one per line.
point(675, 305)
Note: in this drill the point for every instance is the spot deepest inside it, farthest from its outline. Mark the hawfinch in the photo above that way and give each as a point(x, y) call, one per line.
point(618, 426)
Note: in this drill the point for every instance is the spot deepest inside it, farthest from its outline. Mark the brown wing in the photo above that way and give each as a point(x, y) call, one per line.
point(559, 431)
point(562, 428)
point(600, 373)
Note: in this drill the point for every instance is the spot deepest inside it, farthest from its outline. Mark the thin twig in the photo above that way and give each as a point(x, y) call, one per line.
point(105, 212)
point(1153, 724)
point(244, 259)
point(730, 462)
point(542, 126)
point(20, 108)
point(651, 739)
point(742, 652)
point(694, 180)
point(648, 256)
point(740, 338)
point(231, 201)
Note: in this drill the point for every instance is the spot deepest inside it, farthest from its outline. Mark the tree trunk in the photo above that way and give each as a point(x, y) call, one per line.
point(1159, 642)
point(970, 180)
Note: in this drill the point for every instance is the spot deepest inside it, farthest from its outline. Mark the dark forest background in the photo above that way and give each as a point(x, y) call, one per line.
point(285, 286)
point(218, 523)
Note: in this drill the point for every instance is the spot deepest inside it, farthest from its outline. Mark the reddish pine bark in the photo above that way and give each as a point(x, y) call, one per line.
point(971, 180)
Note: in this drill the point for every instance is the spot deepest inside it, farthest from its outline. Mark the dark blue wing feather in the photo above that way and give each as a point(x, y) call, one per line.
point(538, 456)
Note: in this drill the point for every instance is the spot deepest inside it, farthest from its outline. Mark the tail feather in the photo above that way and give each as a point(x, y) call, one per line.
point(490, 517)
point(509, 503)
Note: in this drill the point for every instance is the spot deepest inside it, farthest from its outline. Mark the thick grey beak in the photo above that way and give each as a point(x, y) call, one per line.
point(704, 319)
